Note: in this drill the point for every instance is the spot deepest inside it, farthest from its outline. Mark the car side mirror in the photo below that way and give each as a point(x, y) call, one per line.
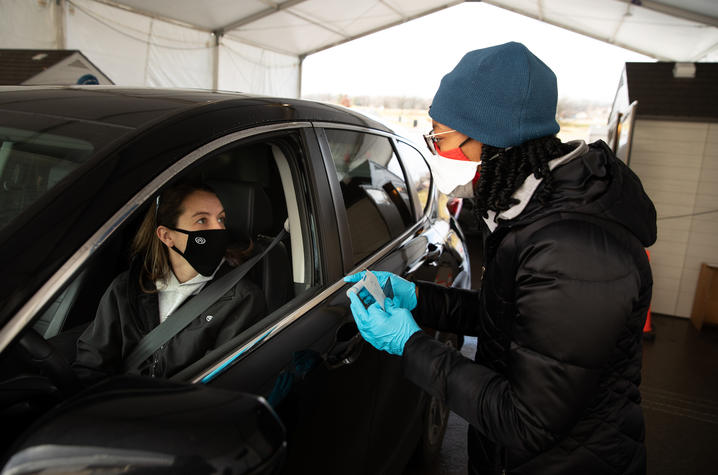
point(133, 424)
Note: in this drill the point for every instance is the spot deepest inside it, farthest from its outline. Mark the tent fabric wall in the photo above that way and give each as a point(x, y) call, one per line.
point(173, 42)
point(29, 25)
point(247, 68)
point(138, 50)
point(119, 51)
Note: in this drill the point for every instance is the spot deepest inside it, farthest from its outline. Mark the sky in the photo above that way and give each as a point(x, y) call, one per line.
point(410, 59)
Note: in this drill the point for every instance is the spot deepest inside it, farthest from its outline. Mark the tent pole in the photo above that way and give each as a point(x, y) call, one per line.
point(215, 60)
point(299, 78)
point(60, 24)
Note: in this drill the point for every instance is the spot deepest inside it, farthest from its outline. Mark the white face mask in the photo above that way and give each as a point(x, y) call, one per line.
point(452, 174)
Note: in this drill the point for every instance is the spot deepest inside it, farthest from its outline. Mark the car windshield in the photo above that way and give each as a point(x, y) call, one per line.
point(34, 159)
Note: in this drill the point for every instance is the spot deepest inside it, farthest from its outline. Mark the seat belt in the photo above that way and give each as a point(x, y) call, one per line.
point(178, 320)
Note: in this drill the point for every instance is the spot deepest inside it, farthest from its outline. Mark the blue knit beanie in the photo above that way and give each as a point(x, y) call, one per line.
point(501, 96)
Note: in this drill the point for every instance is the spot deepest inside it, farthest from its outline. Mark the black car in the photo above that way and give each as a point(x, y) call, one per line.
point(299, 391)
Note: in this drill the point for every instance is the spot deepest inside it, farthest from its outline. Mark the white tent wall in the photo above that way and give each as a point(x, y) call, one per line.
point(250, 69)
point(138, 50)
point(179, 56)
point(116, 41)
point(28, 24)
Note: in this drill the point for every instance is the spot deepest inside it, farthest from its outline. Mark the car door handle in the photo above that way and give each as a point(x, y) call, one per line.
point(348, 346)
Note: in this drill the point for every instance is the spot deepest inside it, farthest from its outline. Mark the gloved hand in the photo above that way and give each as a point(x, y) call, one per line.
point(387, 329)
point(404, 291)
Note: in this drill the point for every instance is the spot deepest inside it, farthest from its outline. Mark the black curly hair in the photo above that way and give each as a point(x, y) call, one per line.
point(504, 170)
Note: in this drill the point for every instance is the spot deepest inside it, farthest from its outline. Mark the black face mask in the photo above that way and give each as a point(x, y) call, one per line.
point(205, 249)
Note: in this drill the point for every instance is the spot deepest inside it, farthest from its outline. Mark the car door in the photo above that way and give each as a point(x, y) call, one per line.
point(380, 232)
point(305, 357)
point(308, 359)
point(43, 378)
point(392, 224)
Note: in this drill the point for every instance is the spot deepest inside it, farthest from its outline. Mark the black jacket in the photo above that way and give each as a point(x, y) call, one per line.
point(554, 385)
point(126, 314)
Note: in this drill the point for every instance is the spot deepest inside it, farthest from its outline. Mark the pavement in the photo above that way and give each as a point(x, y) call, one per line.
point(453, 459)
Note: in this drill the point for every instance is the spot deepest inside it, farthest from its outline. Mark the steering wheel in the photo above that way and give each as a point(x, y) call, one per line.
point(39, 354)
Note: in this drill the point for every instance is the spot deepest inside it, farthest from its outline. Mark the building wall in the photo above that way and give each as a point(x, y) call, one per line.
point(678, 165)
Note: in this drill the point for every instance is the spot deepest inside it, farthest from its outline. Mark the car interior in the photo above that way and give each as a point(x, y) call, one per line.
point(256, 185)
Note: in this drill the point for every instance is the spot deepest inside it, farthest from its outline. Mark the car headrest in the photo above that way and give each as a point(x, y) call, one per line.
point(249, 211)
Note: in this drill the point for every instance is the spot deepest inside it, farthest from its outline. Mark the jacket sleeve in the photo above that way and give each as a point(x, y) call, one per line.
point(99, 348)
point(573, 298)
point(446, 308)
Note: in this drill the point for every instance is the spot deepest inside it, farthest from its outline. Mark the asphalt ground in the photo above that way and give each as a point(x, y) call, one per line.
point(453, 457)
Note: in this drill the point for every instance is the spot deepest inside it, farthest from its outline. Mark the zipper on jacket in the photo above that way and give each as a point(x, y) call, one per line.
point(156, 361)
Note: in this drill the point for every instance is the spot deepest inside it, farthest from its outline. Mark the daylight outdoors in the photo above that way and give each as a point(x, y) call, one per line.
point(408, 61)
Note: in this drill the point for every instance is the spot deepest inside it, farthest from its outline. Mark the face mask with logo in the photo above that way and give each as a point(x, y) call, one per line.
point(205, 249)
point(454, 172)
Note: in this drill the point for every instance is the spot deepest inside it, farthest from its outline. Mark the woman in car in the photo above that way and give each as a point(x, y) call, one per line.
point(180, 248)
point(553, 388)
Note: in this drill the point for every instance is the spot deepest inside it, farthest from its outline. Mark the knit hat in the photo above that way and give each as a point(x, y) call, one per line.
point(501, 96)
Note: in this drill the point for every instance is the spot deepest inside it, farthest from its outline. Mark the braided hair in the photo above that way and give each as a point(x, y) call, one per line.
point(503, 171)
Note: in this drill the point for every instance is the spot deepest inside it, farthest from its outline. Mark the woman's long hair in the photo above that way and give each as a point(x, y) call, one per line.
point(503, 171)
point(147, 247)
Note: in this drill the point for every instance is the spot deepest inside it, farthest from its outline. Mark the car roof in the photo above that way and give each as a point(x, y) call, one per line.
point(139, 107)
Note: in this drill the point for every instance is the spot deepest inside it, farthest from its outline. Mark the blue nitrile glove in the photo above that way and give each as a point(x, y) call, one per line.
point(404, 291)
point(387, 329)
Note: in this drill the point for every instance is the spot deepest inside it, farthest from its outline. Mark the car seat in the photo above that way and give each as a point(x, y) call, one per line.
point(250, 218)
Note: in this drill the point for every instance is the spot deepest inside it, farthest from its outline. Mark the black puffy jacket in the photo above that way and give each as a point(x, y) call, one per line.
point(554, 385)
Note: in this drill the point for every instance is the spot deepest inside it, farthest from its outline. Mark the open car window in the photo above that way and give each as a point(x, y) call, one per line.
point(258, 181)
point(373, 187)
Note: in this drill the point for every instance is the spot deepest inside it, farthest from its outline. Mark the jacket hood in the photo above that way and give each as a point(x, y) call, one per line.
point(598, 184)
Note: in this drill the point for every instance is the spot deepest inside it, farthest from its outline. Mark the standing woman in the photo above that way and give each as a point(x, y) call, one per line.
point(180, 248)
point(553, 388)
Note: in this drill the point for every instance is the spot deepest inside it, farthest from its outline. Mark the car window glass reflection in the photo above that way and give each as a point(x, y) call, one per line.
point(32, 163)
point(373, 187)
point(39, 154)
point(417, 170)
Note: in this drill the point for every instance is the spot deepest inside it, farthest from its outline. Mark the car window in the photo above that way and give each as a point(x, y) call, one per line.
point(373, 187)
point(417, 170)
point(36, 158)
point(256, 181)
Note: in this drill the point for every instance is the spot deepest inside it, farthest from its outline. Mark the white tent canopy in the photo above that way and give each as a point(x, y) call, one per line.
point(258, 45)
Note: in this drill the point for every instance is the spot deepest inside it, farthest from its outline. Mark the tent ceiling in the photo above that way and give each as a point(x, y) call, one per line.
point(672, 30)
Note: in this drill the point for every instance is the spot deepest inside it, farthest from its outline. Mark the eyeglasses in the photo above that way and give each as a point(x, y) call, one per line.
point(431, 140)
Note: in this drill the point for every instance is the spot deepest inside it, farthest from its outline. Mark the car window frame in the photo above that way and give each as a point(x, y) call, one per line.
point(340, 209)
point(64, 275)
point(410, 182)
point(326, 162)
point(320, 161)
